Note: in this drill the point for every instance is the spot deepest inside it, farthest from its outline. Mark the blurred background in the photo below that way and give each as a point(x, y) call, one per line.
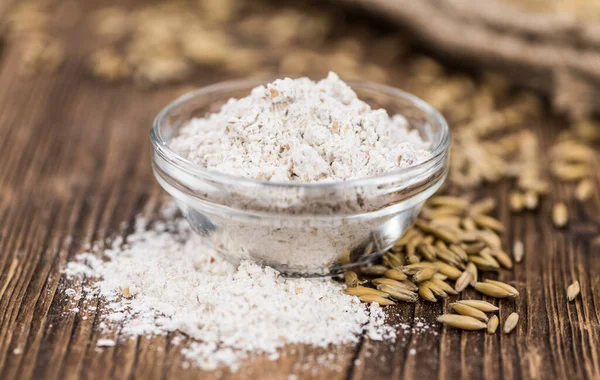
point(491, 67)
point(550, 46)
point(537, 44)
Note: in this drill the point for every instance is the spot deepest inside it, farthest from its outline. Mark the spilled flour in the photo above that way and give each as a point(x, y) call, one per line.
point(163, 278)
point(297, 130)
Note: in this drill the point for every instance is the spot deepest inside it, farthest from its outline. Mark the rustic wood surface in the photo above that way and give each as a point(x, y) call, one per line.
point(75, 165)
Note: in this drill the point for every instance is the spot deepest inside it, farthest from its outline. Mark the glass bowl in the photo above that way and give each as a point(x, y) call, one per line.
point(299, 229)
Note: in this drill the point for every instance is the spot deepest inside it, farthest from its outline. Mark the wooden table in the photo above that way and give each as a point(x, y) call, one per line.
point(75, 165)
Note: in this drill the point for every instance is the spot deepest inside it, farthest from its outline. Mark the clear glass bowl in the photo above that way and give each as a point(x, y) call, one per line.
point(299, 229)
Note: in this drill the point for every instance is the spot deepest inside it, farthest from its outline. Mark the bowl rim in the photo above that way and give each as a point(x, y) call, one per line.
point(161, 147)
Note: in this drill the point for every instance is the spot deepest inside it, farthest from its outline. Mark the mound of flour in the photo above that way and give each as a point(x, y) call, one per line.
point(301, 131)
point(162, 278)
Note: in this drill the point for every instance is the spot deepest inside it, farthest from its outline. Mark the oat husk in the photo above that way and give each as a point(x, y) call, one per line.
point(444, 286)
point(378, 299)
point(462, 322)
point(435, 289)
point(573, 291)
point(351, 278)
point(424, 275)
point(360, 291)
point(584, 189)
point(463, 309)
point(492, 290)
point(510, 323)
point(395, 274)
point(480, 305)
point(560, 215)
point(518, 251)
point(492, 324)
point(509, 288)
point(373, 270)
point(426, 293)
point(448, 270)
point(516, 201)
point(465, 279)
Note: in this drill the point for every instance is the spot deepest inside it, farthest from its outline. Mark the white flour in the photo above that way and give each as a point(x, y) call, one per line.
point(301, 131)
point(175, 283)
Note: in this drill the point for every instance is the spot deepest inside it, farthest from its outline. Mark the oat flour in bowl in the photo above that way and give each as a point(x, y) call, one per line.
point(297, 130)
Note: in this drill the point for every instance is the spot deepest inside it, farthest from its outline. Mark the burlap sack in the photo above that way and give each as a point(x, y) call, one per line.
point(557, 53)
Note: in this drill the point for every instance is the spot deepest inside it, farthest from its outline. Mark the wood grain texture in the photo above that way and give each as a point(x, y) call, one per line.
point(75, 165)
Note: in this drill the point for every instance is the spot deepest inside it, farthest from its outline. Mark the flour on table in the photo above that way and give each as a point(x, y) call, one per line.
point(105, 343)
point(174, 282)
point(297, 130)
